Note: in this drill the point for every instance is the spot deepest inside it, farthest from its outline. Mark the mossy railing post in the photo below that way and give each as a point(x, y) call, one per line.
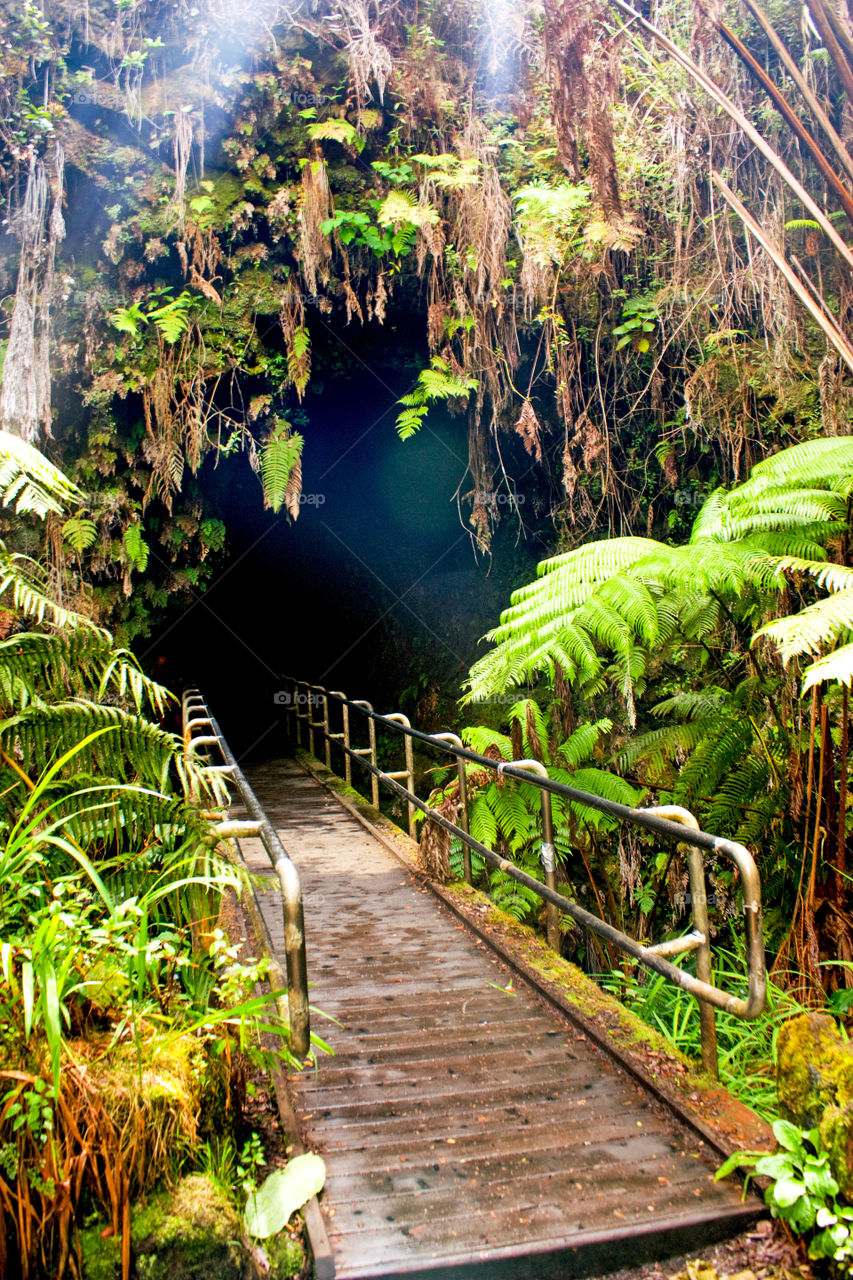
point(456, 741)
point(548, 854)
point(343, 736)
point(397, 717)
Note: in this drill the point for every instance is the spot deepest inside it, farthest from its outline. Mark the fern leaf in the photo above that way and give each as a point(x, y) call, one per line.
point(29, 480)
point(583, 741)
point(813, 628)
point(279, 455)
point(835, 666)
point(79, 532)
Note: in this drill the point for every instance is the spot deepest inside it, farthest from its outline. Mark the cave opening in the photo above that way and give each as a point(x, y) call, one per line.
point(375, 588)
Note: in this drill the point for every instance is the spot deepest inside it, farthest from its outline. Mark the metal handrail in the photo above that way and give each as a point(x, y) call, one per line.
point(666, 821)
point(298, 1014)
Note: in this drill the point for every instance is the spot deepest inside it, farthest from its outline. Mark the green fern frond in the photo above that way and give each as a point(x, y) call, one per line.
point(479, 739)
point(136, 548)
point(712, 759)
point(279, 455)
point(582, 742)
point(29, 481)
point(134, 751)
point(26, 582)
point(813, 628)
point(691, 705)
point(835, 666)
point(482, 823)
point(659, 747)
point(826, 462)
point(335, 129)
point(79, 532)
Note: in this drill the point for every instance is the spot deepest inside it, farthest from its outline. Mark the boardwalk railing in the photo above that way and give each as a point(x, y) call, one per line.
point(200, 730)
point(309, 709)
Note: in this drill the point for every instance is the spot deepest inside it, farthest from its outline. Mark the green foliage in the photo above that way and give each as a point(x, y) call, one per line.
point(549, 219)
point(269, 1209)
point(79, 532)
point(169, 316)
point(336, 129)
point(279, 455)
point(746, 1050)
point(136, 548)
point(803, 1192)
point(29, 481)
point(438, 382)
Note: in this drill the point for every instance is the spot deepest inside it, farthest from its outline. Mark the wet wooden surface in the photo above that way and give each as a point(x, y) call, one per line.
point(463, 1123)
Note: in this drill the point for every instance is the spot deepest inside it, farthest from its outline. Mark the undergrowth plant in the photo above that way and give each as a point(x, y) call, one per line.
point(803, 1192)
point(746, 1050)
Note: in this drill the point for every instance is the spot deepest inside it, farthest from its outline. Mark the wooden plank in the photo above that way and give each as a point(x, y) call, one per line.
point(462, 1122)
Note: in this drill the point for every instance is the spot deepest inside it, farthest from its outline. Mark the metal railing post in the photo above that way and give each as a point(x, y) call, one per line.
point(290, 708)
point(397, 717)
point(548, 855)
point(339, 737)
point(371, 750)
point(315, 723)
point(326, 735)
point(303, 711)
point(701, 943)
point(298, 1015)
point(456, 741)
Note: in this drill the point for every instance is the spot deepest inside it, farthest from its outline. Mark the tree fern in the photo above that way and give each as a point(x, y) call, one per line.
point(814, 628)
point(582, 742)
point(529, 715)
point(24, 582)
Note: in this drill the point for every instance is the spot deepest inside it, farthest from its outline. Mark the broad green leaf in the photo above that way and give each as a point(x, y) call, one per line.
point(787, 1191)
point(787, 1135)
point(776, 1166)
point(269, 1209)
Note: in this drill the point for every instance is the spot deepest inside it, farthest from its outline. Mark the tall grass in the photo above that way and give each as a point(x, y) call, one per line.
point(747, 1050)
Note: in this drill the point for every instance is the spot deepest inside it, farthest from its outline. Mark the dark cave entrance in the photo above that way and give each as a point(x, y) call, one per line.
point(375, 589)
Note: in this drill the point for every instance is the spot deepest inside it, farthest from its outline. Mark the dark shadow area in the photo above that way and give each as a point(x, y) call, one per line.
point(375, 588)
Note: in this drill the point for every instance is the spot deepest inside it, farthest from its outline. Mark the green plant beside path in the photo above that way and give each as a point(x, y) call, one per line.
point(803, 1192)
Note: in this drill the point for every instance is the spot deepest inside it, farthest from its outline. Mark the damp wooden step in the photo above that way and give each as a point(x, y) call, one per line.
point(468, 1130)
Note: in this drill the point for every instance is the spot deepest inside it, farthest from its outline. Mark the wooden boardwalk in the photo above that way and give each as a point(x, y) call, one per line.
point(464, 1124)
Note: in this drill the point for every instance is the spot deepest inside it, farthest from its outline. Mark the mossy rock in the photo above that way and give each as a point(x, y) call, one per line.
point(286, 1256)
point(814, 1081)
point(101, 1258)
point(193, 1233)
